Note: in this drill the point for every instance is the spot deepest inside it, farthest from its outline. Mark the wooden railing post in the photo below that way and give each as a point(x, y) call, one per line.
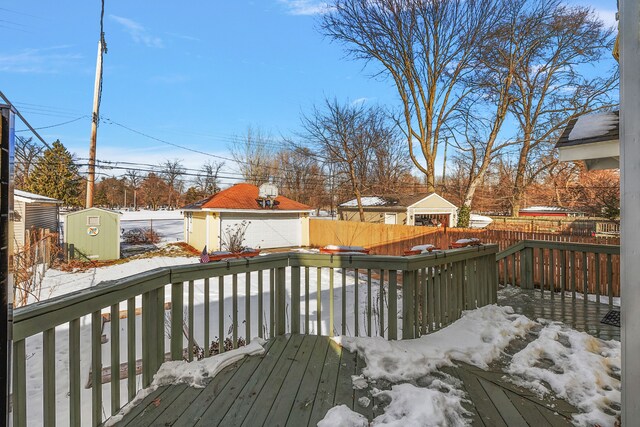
point(295, 300)
point(280, 301)
point(408, 305)
point(493, 279)
point(526, 268)
point(150, 338)
point(177, 309)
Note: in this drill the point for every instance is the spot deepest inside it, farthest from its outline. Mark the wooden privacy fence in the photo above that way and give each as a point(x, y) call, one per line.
point(283, 293)
point(387, 239)
point(562, 267)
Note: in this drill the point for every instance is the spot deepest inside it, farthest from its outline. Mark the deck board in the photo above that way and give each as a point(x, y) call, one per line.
point(191, 414)
point(286, 397)
point(303, 405)
point(300, 378)
point(239, 399)
point(269, 394)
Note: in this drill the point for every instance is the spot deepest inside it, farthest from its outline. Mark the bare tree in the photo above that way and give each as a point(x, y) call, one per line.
point(26, 155)
point(427, 48)
point(254, 157)
point(346, 137)
point(134, 179)
point(171, 171)
point(550, 87)
point(207, 180)
point(483, 113)
point(301, 176)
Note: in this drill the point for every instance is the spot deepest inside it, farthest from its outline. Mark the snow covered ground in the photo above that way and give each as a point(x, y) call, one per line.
point(168, 224)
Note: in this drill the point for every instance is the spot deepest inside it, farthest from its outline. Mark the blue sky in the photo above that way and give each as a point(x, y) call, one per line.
point(195, 75)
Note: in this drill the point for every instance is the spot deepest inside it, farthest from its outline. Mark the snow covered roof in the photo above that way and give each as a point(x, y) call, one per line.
point(590, 128)
point(398, 201)
point(369, 201)
point(25, 196)
point(545, 209)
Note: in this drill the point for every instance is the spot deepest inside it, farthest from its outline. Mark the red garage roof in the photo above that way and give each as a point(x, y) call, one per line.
point(244, 196)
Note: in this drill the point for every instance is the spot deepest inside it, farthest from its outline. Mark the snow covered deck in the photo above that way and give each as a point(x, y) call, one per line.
point(301, 377)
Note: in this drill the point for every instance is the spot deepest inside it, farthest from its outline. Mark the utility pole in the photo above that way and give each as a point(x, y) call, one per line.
point(95, 117)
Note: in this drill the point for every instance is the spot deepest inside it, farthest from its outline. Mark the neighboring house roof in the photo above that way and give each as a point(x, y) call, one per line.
point(592, 138)
point(394, 201)
point(27, 197)
point(244, 197)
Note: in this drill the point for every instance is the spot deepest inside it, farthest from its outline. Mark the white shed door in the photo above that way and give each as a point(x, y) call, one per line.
point(277, 231)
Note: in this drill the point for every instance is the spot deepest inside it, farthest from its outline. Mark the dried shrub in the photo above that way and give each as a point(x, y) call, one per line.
point(140, 236)
point(233, 237)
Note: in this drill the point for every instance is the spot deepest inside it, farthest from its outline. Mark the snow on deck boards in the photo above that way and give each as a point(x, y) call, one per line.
point(301, 377)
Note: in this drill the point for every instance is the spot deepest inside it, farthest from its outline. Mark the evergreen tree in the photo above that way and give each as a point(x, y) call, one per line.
point(56, 175)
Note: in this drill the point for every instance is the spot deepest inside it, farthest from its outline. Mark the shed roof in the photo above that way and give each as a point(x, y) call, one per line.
point(244, 197)
point(27, 197)
point(393, 201)
point(94, 208)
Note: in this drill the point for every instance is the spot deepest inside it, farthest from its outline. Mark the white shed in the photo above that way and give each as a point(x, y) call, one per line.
point(33, 211)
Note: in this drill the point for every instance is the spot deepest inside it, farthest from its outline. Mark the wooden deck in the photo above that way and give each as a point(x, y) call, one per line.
point(579, 315)
point(301, 377)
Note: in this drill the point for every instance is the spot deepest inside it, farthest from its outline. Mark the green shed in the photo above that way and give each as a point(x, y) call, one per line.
point(94, 233)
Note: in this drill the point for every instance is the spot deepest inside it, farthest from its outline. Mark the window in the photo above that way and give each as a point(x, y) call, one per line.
point(93, 220)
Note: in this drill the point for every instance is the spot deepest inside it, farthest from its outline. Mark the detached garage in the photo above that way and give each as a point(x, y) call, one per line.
point(271, 221)
point(421, 209)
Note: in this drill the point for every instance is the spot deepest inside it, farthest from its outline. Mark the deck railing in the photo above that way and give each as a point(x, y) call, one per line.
point(575, 268)
point(173, 313)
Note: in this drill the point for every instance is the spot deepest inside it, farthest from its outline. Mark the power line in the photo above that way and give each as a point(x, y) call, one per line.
point(37, 135)
point(56, 125)
point(193, 150)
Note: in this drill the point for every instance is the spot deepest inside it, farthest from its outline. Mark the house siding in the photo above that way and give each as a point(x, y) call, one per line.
point(197, 236)
point(18, 223)
point(376, 217)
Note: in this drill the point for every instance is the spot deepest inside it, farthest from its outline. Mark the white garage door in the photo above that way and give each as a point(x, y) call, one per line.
point(278, 231)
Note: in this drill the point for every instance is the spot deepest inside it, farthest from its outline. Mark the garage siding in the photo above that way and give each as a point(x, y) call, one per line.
point(265, 231)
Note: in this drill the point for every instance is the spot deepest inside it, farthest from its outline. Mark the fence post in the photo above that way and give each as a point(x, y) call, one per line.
point(408, 305)
point(280, 301)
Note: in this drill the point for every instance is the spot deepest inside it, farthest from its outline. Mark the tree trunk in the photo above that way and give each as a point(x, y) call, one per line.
point(518, 184)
